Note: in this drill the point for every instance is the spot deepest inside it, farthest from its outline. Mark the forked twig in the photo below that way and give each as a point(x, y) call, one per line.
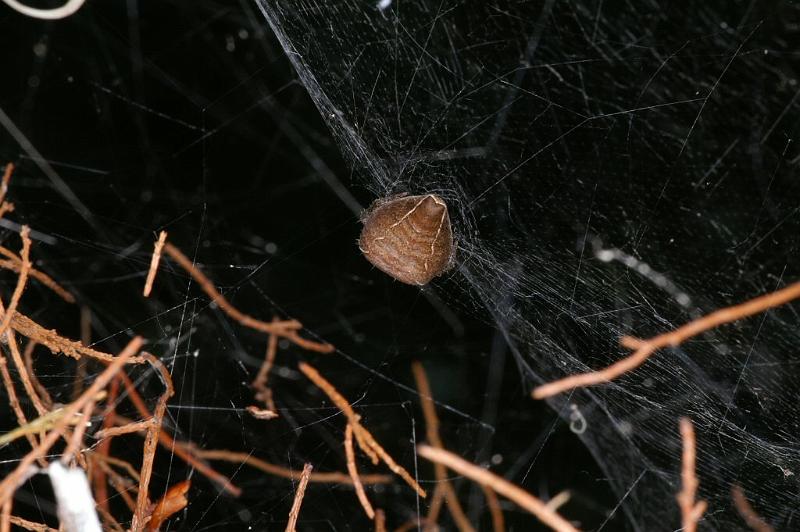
point(351, 468)
point(644, 348)
point(57, 343)
point(432, 431)
point(286, 328)
point(30, 525)
point(10, 483)
point(364, 438)
point(294, 513)
point(22, 280)
point(691, 510)
point(150, 444)
point(525, 500)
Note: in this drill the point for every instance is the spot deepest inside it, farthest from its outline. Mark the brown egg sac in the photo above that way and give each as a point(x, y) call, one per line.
point(408, 237)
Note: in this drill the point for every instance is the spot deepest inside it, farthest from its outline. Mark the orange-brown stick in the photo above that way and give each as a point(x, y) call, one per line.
point(351, 468)
point(645, 348)
point(294, 513)
point(286, 328)
point(432, 432)
point(22, 280)
point(745, 509)
point(154, 260)
point(334, 477)
point(691, 511)
point(363, 436)
point(150, 444)
point(10, 483)
point(525, 500)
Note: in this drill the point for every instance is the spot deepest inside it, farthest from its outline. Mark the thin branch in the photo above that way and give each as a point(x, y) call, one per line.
point(185, 451)
point(343, 405)
point(76, 440)
point(27, 356)
point(155, 259)
point(263, 391)
point(498, 521)
point(104, 447)
point(363, 436)
point(10, 483)
point(644, 348)
point(691, 511)
point(298, 498)
point(351, 468)
point(22, 280)
point(14, 264)
point(9, 170)
point(136, 426)
point(286, 329)
point(22, 369)
point(745, 509)
point(150, 444)
point(505, 488)
point(86, 339)
point(13, 401)
point(57, 343)
point(283, 472)
point(432, 431)
point(380, 521)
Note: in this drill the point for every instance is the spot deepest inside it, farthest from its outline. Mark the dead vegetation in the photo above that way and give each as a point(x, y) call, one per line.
point(62, 431)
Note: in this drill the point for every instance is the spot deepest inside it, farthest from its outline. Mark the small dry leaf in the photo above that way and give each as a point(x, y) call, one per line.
point(173, 502)
point(409, 237)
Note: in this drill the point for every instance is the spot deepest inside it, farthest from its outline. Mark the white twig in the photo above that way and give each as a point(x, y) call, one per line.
point(76, 507)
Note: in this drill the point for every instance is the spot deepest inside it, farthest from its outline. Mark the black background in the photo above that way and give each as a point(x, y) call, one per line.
point(187, 116)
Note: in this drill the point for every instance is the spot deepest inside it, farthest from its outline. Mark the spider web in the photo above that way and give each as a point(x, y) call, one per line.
point(610, 170)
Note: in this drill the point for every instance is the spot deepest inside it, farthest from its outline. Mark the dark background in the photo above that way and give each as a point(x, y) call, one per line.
point(188, 117)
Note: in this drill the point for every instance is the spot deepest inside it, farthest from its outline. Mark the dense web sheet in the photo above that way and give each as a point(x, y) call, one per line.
point(612, 168)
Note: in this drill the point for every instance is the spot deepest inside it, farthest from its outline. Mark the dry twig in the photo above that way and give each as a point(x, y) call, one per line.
point(351, 468)
point(22, 280)
point(150, 444)
point(691, 511)
point(745, 509)
point(10, 483)
point(283, 472)
point(286, 329)
point(151, 273)
point(432, 431)
point(263, 391)
point(30, 525)
point(298, 498)
point(521, 497)
point(498, 521)
point(58, 344)
point(644, 348)
point(380, 521)
point(364, 438)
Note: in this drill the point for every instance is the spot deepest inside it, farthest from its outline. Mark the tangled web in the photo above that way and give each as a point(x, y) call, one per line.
point(611, 169)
